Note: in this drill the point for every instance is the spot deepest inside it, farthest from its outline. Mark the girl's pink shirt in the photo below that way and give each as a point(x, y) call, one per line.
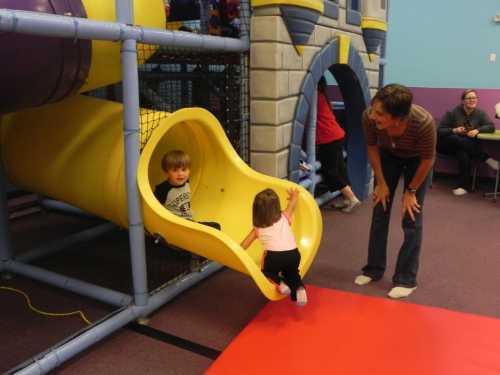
point(279, 236)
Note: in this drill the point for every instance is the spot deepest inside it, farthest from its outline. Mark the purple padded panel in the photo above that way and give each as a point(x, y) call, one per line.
point(38, 70)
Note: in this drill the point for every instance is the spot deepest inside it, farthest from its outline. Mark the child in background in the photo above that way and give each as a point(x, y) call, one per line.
point(273, 228)
point(175, 193)
point(330, 141)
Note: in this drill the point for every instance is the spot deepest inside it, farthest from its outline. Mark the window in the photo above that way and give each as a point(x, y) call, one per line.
point(354, 5)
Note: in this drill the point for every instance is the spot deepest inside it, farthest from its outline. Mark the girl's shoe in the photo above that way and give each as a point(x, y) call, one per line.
point(284, 289)
point(301, 297)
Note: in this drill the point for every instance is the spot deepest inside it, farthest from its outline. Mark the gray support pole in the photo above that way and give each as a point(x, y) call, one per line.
point(43, 24)
point(59, 245)
point(204, 16)
point(311, 140)
point(52, 204)
point(327, 197)
point(245, 85)
point(131, 130)
point(5, 250)
point(99, 293)
point(245, 22)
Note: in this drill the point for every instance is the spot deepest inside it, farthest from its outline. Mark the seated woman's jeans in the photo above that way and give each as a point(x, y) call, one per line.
point(407, 264)
point(464, 150)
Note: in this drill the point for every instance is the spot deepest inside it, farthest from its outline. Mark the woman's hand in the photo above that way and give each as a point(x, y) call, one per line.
point(410, 205)
point(472, 133)
point(459, 130)
point(382, 195)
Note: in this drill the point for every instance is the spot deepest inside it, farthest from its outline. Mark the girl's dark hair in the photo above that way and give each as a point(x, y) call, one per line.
point(466, 92)
point(396, 99)
point(266, 209)
point(175, 159)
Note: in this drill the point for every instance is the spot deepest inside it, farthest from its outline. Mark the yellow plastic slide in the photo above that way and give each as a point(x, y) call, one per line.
point(73, 151)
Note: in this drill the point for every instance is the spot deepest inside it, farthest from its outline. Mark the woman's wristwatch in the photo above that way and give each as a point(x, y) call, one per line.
point(411, 190)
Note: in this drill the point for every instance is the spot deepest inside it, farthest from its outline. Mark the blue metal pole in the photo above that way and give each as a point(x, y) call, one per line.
point(311, 140)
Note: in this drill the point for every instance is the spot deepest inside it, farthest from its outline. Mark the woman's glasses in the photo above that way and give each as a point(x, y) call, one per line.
point(471, 98)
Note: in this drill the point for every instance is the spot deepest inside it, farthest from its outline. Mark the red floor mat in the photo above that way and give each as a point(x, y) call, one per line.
point(350, 334)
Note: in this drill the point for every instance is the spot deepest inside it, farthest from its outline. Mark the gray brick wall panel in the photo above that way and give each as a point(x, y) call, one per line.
point(302, 13)
point(298, 133)
point(353, 17)
point(317, 68)
point(331, 10)
point(294, 157)
point(331, 53)
point(302, 109)
point(308, 86)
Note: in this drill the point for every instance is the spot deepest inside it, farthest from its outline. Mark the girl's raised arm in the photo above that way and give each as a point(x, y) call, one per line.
point(293, 196)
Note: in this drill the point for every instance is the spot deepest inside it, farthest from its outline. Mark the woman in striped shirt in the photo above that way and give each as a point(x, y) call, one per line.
point(401, 139)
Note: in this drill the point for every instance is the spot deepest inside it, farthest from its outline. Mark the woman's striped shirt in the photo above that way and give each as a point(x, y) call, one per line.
point(419, 138)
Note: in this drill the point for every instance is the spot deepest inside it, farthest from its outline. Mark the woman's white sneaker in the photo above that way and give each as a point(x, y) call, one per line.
point(362, 280)
point(400, 292)
point(459, 191)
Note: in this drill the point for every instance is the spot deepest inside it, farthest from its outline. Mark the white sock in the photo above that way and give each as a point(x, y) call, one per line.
point(362, 280)
point(301, 296)
point(400, 292)
point(284, 289)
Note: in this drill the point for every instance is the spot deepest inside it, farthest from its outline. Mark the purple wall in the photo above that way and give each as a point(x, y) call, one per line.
point(439, 100)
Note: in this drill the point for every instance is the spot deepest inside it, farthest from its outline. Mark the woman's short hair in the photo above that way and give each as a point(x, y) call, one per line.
point(467, 92)
point(175, 159)
point(266, 209)
point(396, 99)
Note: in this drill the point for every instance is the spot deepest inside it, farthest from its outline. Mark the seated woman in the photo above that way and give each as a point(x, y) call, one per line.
point(457, 133)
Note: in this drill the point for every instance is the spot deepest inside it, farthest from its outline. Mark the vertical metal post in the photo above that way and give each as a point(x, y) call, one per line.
point(244, 87)
point(311, 139)
point(131, 129)
point(5, 250)
point(204, 16)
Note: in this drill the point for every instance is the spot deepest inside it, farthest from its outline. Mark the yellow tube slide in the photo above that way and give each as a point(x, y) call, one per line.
point(73, 151)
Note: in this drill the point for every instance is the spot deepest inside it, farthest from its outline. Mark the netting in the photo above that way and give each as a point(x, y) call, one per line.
point(218, 83)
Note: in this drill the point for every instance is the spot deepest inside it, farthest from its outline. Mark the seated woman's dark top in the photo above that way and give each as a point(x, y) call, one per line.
point(477, 119)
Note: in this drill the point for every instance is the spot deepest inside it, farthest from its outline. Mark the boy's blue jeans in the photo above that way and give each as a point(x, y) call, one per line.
point(407, 264)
